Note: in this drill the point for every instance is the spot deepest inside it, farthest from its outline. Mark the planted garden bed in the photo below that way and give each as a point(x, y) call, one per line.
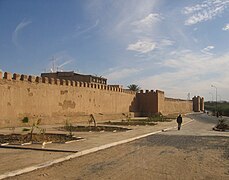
point(151, 121)
point(36, 138)
point(223, 125)
point(131, 123)
point(92, 128)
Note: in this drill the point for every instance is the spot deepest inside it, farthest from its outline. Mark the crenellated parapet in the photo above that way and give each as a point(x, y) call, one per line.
point(15, 77)
point(196, 103)
point(24, 96)
point(147, 102)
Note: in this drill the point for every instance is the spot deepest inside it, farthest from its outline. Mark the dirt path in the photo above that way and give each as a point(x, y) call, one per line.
point(169, 155)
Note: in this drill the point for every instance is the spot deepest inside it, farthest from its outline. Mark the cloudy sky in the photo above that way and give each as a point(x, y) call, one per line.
point(178, 46)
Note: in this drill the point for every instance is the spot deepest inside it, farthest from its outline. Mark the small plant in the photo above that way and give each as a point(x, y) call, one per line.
point(156, 118)
point(69, 127)
point(92, 120)
point(128, 117)
point(222, 124)
point(32, 127)
point(43, 131)
point(12, 129)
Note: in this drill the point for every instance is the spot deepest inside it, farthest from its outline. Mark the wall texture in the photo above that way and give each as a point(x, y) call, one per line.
point(177, 106)
point(152, 102)
point(55, 101)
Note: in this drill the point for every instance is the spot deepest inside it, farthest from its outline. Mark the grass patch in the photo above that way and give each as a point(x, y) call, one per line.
point(131, 123)
point(151, 121)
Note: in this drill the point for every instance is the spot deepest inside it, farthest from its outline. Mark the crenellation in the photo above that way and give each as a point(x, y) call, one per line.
point(73, 83)
point(57, 81)
point(7, 76)
point(38, 79)
point(77, 84)
point(81, 84)
point(16, 77)
point(153, 92)
point(84, 100)
point(45, 80)
point(101, 87)
point(68, 82)
point(63, 82)
point(31, 78)
point(51, 80)
point(24, 77)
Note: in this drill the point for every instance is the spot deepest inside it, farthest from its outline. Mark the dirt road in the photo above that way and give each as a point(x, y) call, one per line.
point(195, 152)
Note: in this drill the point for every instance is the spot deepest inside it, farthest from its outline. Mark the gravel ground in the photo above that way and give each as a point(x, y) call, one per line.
point(185, 154)
point(154, 157)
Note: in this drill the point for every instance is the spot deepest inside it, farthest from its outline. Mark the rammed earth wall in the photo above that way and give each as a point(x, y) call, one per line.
point(55, 101)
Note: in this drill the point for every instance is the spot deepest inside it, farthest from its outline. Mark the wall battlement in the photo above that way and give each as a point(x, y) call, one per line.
point(57, 100)
point(198, 103)
point(60, 82)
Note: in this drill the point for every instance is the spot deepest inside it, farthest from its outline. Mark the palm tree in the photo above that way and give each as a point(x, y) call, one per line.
point(134, 87)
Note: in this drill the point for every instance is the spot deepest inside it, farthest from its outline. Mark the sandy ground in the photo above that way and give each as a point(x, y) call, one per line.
point(173, 154)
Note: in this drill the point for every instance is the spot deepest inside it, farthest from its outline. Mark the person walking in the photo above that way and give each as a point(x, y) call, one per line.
point(179, 121)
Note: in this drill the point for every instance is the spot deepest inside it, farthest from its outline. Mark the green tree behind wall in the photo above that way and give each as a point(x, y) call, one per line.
point(134, 87)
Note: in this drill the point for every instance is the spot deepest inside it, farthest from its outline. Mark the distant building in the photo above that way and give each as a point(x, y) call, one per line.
point(75, 77)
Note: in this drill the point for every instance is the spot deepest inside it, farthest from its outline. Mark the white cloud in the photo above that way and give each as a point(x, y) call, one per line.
point(60, 61)
point(80, 31)
point(19, 28)
point(207, 50)
point(142, 46)
point(166, 42)
point(226, 27)
point(146, 25)
point(205, 11)
point(190, 73)
point(118, 74)
point(148, 21)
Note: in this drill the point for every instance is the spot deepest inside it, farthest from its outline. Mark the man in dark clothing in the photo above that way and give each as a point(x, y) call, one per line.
point(179, 121)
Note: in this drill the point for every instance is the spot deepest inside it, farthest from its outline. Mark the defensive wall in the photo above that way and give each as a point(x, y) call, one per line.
point(55, 101)
point(198, 103)
point(152, 102)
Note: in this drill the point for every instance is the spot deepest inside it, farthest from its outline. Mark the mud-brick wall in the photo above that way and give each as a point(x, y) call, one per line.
point(173, 106)
point(55, 102)
point(147, 103)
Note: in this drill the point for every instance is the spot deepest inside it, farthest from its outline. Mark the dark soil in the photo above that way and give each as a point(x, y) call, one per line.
point(221, 126)
point(93, 128)
point(36, 138)
point(153, 120)
point(132, 123)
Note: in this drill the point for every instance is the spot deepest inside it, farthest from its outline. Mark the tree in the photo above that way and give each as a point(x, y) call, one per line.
point(134, 87)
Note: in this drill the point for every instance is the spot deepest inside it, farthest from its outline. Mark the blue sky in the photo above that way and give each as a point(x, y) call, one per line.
point(178, 46)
